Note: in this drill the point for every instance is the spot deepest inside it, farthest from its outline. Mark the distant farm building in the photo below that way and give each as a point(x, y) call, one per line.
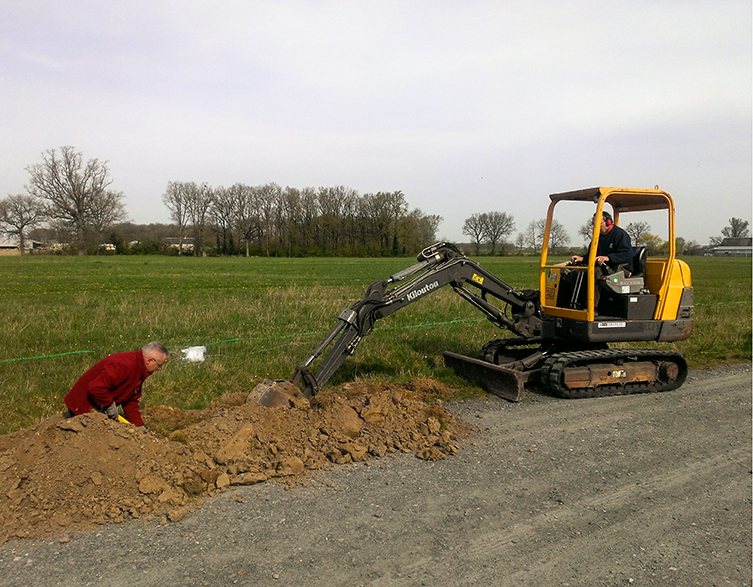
point(186, 246)
point(734, 247)
point(9, 249)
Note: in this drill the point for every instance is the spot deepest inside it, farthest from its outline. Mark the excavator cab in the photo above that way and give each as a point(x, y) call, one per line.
point(654, 302)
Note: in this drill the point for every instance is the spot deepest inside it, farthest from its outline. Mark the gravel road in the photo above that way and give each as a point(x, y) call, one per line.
point(636, 490)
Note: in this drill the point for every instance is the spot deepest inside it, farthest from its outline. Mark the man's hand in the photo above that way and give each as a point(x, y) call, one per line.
point(576, 260)
point(112, 411)
point(602, 260)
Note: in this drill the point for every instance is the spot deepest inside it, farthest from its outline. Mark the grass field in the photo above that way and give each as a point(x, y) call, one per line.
point(261, 317)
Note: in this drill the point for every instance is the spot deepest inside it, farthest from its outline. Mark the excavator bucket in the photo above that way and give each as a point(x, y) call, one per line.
point(278, 393)
point(505, 383)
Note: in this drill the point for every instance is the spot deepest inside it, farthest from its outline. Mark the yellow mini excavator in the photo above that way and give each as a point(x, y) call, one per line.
point(559, 340)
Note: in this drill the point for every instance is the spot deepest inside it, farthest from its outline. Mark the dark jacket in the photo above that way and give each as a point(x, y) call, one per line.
point(615, 244)
point(116, 378)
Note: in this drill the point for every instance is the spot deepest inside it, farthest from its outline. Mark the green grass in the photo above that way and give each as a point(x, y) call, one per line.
point(722, 325)
point(261, 317)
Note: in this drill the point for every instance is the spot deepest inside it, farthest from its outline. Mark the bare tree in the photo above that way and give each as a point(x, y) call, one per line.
point(638, 232)
point(680, 245)
point(520, 241)
point(222, 213)
point(474, 227)
point(76, 191)
point(176, 200)
point(309, 224)
point(497, 226)
point(106, 211)
point(247, 217)
point(428, 226)
point(558, 237)
point(267, 197)
point(586, 231)
point(738, 228)
point(289, 218)
point(335, 205)
point(200, 199)
point(534, 234)
point(416, 230)
point(379, 216)
point(374, 216)
point(691, 245)
point(19, 213)
point(398, 209)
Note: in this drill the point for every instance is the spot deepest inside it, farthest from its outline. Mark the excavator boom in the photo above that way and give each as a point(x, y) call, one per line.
point(439, 265)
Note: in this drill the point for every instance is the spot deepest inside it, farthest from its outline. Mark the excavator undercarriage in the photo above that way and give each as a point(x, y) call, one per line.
point(596, 372)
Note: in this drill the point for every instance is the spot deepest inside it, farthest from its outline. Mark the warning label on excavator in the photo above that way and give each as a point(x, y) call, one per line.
point(478, 279)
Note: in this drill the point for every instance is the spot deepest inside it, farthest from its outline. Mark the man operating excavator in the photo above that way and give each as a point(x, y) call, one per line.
point(613, 253)
point(614, 250)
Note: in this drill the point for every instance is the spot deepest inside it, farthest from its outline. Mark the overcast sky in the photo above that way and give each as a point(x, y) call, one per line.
point(465, 106)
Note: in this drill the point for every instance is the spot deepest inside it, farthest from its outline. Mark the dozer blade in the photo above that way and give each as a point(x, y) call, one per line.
point(505, 383)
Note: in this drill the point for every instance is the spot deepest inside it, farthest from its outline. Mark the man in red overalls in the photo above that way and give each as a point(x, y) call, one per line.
point(116, 381)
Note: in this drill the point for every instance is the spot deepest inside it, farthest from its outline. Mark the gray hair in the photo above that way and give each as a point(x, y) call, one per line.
point(155, 347)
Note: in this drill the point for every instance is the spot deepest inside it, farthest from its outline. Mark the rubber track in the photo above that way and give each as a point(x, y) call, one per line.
point(555, 366)
point(491, 347)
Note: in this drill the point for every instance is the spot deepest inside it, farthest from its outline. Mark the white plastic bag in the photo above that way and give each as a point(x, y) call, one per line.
point(194, 354)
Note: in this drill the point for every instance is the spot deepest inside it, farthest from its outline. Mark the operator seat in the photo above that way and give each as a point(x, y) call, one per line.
point(639, 261)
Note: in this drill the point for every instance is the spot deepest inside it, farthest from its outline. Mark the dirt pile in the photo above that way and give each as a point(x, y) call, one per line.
point(63, 476)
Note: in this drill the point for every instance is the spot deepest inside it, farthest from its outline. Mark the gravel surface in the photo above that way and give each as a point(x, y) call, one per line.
point(636, 490)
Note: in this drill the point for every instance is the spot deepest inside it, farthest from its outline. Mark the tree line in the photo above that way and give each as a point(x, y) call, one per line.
point(71, 198)
point(492, 230)
point(270, 220)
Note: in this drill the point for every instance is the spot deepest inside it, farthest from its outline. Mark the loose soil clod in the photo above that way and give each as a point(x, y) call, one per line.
point(63, 476)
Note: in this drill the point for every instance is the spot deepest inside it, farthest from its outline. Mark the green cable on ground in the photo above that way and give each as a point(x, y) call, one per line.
point(45, 356)
point(430, 324)
point(281, 336)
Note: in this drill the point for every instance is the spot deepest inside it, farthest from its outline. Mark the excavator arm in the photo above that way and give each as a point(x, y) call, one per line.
point(439, 265)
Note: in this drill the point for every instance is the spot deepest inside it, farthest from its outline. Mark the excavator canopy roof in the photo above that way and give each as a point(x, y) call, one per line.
point(621, 199)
